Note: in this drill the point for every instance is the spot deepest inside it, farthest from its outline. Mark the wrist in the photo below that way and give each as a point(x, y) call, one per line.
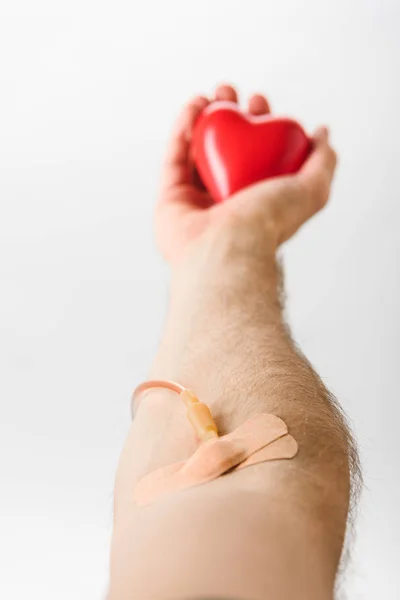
point(230, 263)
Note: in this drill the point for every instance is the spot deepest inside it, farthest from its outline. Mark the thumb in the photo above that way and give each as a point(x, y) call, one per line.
point(317, 173)
point(306, 192)
point(286, 203)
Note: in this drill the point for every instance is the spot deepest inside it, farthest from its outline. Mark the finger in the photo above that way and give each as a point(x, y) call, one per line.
point(177, 169)
point(258, 105)
point(226, 92)
point(317, 173)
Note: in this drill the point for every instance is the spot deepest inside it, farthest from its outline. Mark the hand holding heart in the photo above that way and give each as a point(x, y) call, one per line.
point(231, 150)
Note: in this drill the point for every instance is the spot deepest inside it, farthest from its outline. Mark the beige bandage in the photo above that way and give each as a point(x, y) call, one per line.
point(264, 437)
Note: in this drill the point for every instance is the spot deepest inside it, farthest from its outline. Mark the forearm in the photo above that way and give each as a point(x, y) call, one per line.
point(233, 347)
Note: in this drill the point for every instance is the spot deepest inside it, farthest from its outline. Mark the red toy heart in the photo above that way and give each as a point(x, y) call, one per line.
point(232, 150)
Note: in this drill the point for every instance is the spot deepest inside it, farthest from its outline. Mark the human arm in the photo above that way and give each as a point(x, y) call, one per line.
point(274, 530)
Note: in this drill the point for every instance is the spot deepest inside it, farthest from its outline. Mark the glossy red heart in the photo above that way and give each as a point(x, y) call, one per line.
point(232, 150)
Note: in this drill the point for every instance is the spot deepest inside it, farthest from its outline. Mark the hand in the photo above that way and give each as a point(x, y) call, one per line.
point(281, 205)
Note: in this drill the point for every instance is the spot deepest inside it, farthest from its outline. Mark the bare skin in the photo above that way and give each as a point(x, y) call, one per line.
point(274, 530)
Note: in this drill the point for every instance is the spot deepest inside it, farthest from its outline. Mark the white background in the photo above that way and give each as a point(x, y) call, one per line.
point(88, 92)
